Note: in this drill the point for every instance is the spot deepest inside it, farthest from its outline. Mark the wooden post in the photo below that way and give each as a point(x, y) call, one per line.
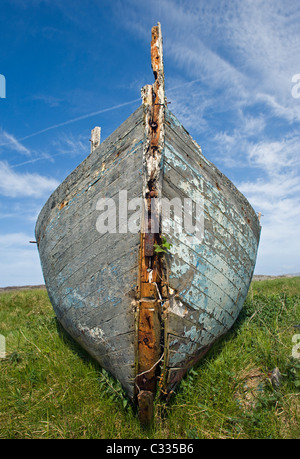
point(95, 138)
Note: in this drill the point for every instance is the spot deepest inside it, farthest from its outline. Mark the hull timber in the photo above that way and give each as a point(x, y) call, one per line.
point(208, 281)
point(137, 312)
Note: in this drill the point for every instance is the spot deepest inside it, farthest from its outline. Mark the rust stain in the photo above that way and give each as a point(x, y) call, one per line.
point(149, 329)
point(63, 204)
point(149, 244)
point(157, 67)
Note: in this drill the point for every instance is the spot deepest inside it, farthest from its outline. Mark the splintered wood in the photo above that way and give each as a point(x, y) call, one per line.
point(150, 272)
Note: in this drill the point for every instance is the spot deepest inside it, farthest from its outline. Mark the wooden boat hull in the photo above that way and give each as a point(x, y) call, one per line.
point(211, 278)
point(92, 277)
point(140, 312)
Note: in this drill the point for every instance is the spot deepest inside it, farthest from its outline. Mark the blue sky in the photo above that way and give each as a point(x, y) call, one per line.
point(70, 65)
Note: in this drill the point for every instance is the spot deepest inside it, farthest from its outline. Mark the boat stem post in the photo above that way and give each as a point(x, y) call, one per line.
point(149, 329)
point(145, 401)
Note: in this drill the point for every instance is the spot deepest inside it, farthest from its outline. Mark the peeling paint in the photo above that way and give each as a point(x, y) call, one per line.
point(177, 307)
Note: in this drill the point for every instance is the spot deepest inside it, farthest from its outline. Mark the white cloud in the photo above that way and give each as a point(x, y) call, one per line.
point(276, 156)
point(244, 52)
point(264, 191)
point(14, 240)
point(9, 141)
point(288, 110)
point(19, 261)
point(276, 193)
point(14, 184)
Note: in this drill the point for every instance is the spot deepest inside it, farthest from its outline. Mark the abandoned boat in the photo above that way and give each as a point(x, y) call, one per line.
point(148, 292)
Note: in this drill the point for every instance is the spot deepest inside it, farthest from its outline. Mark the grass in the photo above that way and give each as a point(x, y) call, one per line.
point(50, 388)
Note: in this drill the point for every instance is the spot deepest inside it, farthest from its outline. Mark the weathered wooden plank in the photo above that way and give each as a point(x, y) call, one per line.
point(214, 220)
point(192, 341)
point(199, 294)
point(88, 261)
point(237, 227)
point(221, 197)
point(181, 351)
point(212, 268)
point(213, 312)
point(230, 252)
point(211, 172)
point(117, 356)
point(113, 284)
point(112, 268)
point(87, 275)
point(80, 206)
point(93, 243)
point(178, 325)
point(208, 253)
point(105, 296)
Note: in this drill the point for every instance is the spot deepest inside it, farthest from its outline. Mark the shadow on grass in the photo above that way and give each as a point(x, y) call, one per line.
point(114, 387)
point(75, 347)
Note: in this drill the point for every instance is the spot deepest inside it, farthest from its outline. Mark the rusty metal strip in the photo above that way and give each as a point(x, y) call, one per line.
point(149, 335)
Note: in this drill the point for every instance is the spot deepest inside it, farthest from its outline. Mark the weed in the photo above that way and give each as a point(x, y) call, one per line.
point(163, 247)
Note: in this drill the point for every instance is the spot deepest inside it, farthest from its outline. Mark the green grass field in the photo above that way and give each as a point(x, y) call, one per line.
point(50, 388)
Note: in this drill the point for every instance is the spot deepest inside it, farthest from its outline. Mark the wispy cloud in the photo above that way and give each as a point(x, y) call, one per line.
point(276, 157)
point(79, 118)
point(64, 144)
point(68, 144)
point(244, 53)
point(14, 239)
point(52, 101)
point(288, 110)
point(14, 184)
point(9, 141)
